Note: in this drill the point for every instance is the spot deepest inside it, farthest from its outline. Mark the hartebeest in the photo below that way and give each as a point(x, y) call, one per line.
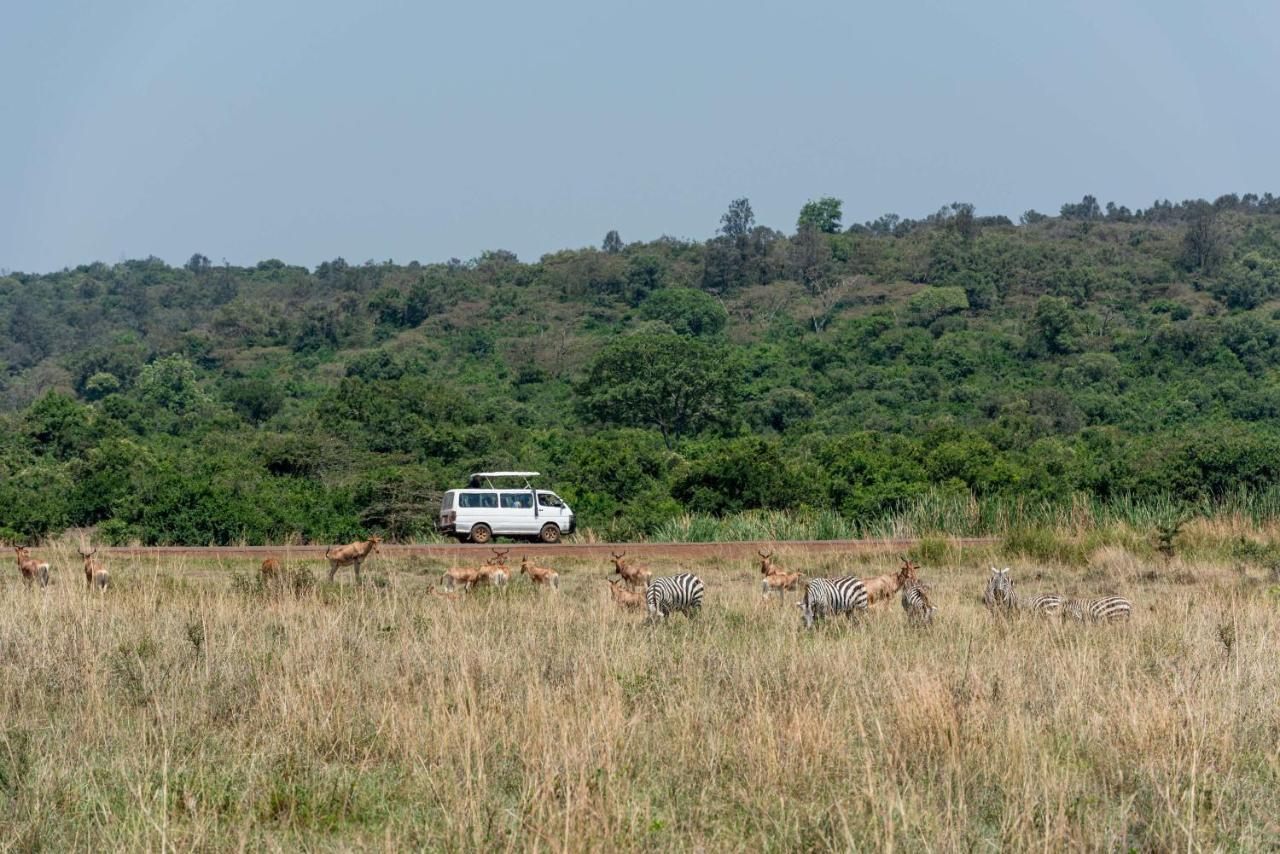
point(780, 583)
point(539, 574)
point(883, 587)
point(95, 574)
point(269, 571)
point(32, 570)
point(767, 566)
point(492, 571)
point(352, 554)
point(624, 597)
point(635, 575)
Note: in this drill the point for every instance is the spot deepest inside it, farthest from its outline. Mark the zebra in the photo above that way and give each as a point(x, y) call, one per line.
point(1000, 595)
point(1110, 609)
point(833, 596)
point(681, 592)
point(915, 601)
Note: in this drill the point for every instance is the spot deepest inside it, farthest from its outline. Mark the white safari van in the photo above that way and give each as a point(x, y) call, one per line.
point(483, 511)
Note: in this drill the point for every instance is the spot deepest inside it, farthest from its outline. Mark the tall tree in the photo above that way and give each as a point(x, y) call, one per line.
point(738, 220)
point(823, 214)
point(612, 243)
point(1203, 243)
point(676, 384)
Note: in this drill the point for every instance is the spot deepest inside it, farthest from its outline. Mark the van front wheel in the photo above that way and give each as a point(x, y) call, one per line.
point(481, 533)
point(550, 533)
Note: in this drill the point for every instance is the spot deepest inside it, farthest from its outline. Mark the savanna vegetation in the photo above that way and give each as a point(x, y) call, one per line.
point(848, 377)
point(180, 711)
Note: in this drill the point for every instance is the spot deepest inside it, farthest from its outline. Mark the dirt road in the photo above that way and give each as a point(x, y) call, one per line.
point(586, 551)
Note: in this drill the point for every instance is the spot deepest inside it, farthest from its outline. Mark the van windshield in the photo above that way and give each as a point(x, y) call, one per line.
point(517, 500)
point(549, 499)
point(478, 499)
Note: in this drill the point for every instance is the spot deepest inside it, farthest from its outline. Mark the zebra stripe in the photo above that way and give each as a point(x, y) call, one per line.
point(1001, 595)
point(1106, 609)
point(674, 593)
point(824, 596)
point(915, 601)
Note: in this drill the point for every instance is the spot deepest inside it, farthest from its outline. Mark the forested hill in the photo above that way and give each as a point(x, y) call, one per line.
point(1111, 353)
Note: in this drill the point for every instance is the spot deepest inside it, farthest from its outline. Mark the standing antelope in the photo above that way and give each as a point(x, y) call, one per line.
point(882, 587)
point(637, 576)
point(624, 597)
point(31, 569)
point(767, 566)
point(780, 583)
point(95, 574)
point(270, 571)
point(352, 554)
point(539, 574)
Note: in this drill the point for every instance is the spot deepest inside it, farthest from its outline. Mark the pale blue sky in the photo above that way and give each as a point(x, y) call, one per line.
point(310, 130)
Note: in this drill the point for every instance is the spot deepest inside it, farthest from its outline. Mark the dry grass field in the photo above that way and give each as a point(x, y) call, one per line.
point(187, 709)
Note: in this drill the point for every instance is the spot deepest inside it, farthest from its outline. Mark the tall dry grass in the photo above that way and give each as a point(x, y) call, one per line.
point(183, 711)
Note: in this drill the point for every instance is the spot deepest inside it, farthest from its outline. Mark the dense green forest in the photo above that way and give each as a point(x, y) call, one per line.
point(1114, 354)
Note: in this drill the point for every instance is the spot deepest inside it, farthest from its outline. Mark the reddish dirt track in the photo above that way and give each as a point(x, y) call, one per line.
point(590, 551)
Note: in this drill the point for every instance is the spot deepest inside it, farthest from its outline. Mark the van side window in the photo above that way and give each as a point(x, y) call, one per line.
point(478, 499)
point(517, 500)
point(546, 499)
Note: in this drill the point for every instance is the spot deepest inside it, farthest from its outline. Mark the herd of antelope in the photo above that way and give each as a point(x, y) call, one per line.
point(636, 587)
point(34, 571)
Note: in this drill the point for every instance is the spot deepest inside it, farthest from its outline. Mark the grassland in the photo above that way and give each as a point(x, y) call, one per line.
point(187, 709)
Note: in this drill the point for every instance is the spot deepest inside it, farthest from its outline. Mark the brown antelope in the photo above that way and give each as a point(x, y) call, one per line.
point(270, 570)
point(464, 576)
point(352, 554)
point(492, 571)
point(624, 597)
point(637, 576)
point(31, 569)
point(95, 574)
point(780, 583)
point(539, 574)
point(767, 566)
point(883, 587)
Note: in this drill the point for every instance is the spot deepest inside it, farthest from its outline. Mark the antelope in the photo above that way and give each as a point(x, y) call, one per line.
point(637, 576)
point(624, 597)
point(31, 569)
point(270, 570)
point(352, 554)
point(883, 587)
point(494, 571)
point(767, 566)
point(539, 574)
point(461, 575)
point(780, 582)
point(95, 574)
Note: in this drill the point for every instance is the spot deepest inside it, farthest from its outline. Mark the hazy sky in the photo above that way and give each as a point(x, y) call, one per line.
point(310, 130)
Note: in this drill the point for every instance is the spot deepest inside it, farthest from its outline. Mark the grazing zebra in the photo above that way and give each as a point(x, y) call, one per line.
point(1001, 596)
point(833, 596)
point(681, 592)
point(1110, 609)
point(915, 601)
